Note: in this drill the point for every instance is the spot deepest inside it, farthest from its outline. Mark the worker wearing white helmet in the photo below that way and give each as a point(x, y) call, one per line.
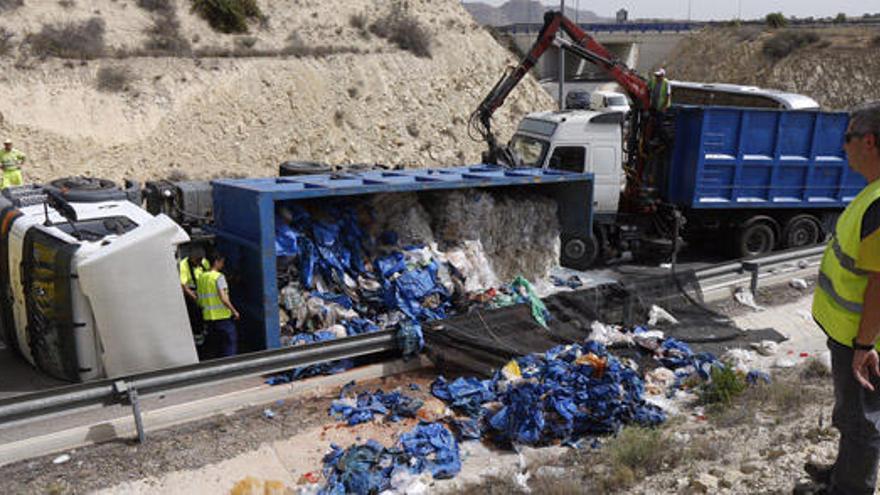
point(658, 87)
point(11, 160)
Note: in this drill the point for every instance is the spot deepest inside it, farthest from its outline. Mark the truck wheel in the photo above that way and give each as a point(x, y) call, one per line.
point(801, 231)
point(755, 239)
point(87, 189)
point(288, 169)
point(578, 252)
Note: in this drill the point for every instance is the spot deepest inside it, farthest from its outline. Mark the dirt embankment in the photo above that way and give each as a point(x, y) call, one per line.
point(834, 65)
point(345, 95)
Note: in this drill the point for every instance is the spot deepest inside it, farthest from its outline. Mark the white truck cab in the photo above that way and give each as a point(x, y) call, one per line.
point(577, 141)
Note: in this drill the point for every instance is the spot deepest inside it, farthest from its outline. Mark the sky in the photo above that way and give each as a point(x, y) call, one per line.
point(720, 9)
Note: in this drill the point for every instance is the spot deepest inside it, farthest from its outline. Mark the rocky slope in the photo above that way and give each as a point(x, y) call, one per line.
point(353, 97)
point(835, 68)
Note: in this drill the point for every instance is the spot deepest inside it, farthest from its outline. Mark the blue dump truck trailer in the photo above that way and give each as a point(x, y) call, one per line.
point(247, 216)
point(765, 178)
point(754, 179)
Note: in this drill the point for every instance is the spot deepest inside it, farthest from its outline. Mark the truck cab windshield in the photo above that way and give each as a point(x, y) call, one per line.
point(530, 150)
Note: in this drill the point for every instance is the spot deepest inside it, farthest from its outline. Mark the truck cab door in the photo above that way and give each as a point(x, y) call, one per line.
point(603, 160)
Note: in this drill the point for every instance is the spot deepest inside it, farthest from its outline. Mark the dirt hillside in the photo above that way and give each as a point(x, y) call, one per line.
point(834, 65)
point(342, 95)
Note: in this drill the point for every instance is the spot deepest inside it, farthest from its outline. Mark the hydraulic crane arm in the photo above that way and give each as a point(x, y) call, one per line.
point(584, 46)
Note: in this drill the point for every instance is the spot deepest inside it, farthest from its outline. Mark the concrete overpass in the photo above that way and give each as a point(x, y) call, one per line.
point(642, 46)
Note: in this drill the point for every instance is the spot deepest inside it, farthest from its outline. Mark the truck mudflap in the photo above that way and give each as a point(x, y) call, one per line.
point(50, 330)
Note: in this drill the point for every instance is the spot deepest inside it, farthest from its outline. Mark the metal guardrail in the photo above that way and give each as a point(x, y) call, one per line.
point(128, 390)
point(754, 265)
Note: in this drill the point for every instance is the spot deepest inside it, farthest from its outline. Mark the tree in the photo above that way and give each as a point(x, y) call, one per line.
point(840, 19)
point(776, 20)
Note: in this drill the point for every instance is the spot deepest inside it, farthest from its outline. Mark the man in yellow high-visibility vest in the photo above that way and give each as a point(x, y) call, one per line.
point(190, 268)
point(846, 306)
point(217, 309)
point(11, 160)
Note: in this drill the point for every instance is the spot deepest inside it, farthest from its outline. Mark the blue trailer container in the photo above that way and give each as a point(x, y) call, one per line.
point(740, 158)
point(244, 220)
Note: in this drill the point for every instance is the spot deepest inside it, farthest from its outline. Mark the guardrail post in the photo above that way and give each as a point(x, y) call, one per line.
point(754, 268)
point(130, 395)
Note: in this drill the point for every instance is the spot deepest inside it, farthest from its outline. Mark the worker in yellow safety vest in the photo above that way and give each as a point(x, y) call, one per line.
point(11, 160)
point(217, 309)
point(846, 305)
point(190, 267)
point(658, 88)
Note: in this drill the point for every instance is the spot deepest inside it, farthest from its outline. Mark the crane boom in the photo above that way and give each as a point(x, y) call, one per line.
point(583, 45)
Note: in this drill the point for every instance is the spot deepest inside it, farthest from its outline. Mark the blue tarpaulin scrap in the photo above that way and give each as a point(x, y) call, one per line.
point(364, 407)
point(466, 394)
point(564, 394)
point(368, 468)
point(335, 255)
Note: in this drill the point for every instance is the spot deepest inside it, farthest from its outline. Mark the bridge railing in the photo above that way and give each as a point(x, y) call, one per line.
point(628, 27)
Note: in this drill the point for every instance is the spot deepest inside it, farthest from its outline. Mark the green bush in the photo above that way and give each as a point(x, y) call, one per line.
point(840, 19)
point(784, 43)
point(723, 386)
point(228, 16)
point(776, 20)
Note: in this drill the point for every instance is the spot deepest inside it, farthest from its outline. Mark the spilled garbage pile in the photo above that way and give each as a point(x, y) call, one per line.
point(561, 395)
point(571, 395)
point(396, 261)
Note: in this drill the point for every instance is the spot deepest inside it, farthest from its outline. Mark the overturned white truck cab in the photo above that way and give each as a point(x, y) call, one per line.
point(94, 293)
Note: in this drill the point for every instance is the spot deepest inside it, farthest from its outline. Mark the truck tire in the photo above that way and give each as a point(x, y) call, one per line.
point(87, 189)
point(288, 169)
point(578, 251)
point(801, 231)
point(755, 239)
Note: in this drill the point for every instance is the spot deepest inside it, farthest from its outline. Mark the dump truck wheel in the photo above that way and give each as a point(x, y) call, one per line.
point(287, 169)
point(755, 239)
point(87, 189)
point(801, 231)
point(578, 252)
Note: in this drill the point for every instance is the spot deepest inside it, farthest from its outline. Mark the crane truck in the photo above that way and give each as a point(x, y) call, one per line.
point(735, 167)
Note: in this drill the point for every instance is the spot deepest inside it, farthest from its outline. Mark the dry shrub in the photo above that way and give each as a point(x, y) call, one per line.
point(113, 79)
point(784, 43)
point(6, 44)
point(159, 6)
point(83, 40)
point(245, 42)
point(643, 450)
point(401, 28)
point(164, 36)
point(6, 5)
point(67, 3)
point(228, 16)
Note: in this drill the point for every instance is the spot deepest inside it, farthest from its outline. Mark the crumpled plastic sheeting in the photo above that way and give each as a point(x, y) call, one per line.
point(508, 226)
point(564, 394)
point(370, 468)
point(364, 407)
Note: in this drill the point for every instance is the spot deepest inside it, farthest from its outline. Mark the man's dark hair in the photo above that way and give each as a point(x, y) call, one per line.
point(214, 255)
point(866, 119)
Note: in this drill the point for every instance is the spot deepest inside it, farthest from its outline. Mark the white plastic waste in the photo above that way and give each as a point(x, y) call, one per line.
point(657, 315)
point(798, 283)
point(61, 459)
point(609, 334)
point(746, 298)
point(739, 359)
point(765, 347)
